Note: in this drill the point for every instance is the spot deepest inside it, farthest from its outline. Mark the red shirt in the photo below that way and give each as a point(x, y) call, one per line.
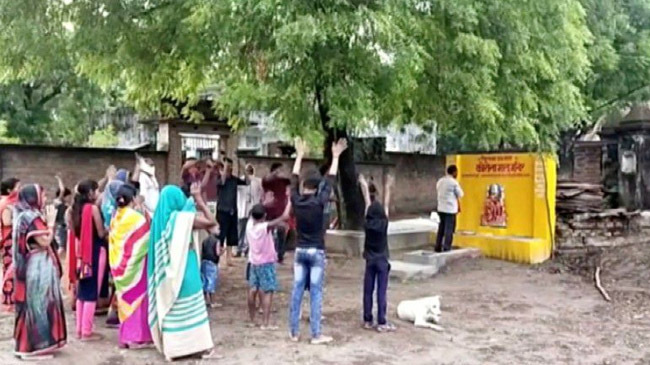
point(211, 188)
point(277, 187)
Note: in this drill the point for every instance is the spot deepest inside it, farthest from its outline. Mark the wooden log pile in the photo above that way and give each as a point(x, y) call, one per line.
point(577, 197)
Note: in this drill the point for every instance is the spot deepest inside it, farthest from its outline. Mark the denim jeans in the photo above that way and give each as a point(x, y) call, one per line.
point(376, 272)
point(280, 240)
point(309, 264)
point(446, 230)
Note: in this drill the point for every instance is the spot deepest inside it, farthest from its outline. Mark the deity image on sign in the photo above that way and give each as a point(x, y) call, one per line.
point(494, 209)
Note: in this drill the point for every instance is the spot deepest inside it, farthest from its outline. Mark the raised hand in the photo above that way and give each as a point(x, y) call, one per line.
point(390, 180)
point(195, 190)
point(111, 171)
point(339, 147)
point(362, 180)
point(301, 147)
point(50, 215)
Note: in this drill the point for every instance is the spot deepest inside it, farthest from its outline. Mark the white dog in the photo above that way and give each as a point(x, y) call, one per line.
point(423, 312)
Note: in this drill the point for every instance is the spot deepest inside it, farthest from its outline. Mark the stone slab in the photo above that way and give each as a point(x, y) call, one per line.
point(403, 235)
point(426, 257)
point(405, 271)
point(350, 243)
point(423, 264)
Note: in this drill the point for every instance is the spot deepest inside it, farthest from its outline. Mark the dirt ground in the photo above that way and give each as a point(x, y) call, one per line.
point(494, 312)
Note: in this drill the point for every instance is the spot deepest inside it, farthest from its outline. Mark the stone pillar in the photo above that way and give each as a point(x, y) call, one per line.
point(587, 162)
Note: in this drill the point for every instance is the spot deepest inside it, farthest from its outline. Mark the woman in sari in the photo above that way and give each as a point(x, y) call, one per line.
point(128, 247)
point(9, 191)
point(109, 206)
point(177, 313)
point(40, 322)
point(90, 256)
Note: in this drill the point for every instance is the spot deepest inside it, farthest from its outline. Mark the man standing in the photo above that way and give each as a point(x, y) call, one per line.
point(309, 262)
point(449, 193)
point(247, 197)
point(275, 187)
point(149, 187)
point(227, 209)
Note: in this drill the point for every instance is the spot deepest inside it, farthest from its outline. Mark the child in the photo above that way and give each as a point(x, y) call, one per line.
point(210, 251)
point(262, 258)
point(376, 255)
point(61, 204)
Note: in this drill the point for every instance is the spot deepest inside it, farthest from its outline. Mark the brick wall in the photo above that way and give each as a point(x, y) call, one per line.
point(587, 162)
point(415, 175)
point(415, 178)
point(39, 164)
point(610, 228)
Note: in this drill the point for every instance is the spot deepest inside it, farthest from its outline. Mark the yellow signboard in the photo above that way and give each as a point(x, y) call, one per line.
point(509, 205)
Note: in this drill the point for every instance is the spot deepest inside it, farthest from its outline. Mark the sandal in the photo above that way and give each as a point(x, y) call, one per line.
point(388, 327)
point(92, 338)
point(36, 357)
point(212, 355)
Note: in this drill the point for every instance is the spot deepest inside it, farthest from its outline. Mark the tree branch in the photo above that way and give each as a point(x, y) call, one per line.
point(56, 90)
point(619, 98)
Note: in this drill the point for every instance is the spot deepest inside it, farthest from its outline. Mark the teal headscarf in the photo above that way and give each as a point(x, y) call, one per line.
point(172, 200)
point(109, 204)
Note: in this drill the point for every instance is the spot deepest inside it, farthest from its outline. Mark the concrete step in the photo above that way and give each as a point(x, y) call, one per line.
point(427, 257)
point(406, 271)
point(422, 264)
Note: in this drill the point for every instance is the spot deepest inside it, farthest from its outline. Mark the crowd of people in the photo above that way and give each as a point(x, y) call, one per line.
point(151, 256)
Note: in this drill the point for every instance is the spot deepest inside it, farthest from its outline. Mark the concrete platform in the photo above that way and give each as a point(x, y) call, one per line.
point(409, 234)
point(405, 271)
point(425, 257)
point(422, 264)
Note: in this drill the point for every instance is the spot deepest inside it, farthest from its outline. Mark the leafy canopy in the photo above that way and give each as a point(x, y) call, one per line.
point(488, 73)
point(42, 98)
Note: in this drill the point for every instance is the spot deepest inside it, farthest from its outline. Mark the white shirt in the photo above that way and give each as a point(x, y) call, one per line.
point(248, 196)
point(149, 189)
point(449, 191)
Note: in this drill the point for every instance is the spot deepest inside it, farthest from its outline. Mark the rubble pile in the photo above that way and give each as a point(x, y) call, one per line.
point(612, 227)
point(576, 197)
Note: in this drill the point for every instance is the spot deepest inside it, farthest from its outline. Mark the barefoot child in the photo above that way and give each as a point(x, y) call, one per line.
point(262, 258)
point(210, 251)
point(376, 254)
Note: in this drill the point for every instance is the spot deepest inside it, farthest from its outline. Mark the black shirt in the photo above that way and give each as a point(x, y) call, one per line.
point(60, 214)
point(376, 227)
point(209, 249)
point(309, 213)
point(227, 197)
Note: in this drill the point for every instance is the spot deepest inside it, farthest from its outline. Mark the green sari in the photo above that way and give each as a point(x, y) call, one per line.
point(177, 314)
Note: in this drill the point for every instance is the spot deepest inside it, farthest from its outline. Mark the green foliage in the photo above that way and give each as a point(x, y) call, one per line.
point(494, 73)
point(490, 73)
point(3, 134)
point(42, 98)
point(105, 137)
point(502, 74)
point(619, 54)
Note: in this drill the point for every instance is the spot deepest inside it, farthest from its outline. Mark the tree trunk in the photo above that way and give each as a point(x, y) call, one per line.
point(352, 198)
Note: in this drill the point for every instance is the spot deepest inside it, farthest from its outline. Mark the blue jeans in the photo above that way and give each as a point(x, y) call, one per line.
point(309, 264)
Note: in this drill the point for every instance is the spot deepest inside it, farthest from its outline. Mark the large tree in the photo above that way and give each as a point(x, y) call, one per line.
point(491, 73)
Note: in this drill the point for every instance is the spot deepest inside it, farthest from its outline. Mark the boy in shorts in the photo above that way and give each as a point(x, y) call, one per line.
point(210, 251)
point(262, 258)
